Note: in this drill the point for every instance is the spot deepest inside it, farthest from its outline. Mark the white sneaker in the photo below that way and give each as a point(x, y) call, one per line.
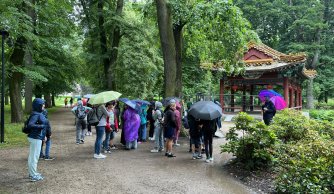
point(99, 156)
point(176, 144)
point(211, 159)
point(154, 151)
point(207, 160)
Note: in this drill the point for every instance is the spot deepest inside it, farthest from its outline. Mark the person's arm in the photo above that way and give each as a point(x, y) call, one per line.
point(74, 109)
point(33, 122)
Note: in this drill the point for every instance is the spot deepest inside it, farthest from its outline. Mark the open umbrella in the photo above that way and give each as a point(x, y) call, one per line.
point(279, 102)
point(88, 95)
point(270, 93)
point(104, 97)
point(142, 102)
point(124, 99)
point(206, 110)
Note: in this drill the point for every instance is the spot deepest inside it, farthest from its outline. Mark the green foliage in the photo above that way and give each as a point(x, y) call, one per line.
point(254, 146)
point(290, 125)
point(327, 115)
point(306, 166)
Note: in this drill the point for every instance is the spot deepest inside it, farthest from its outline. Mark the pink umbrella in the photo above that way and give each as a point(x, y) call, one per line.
point(279, 102)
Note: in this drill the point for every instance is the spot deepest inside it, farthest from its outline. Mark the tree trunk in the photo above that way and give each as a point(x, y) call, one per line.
point(28, 86)
point(178, 37)
point(28, 94)
point(53, 100)
point(167, 45)
point(103, 43)
point(48, 101)
point(309, 93)
point(6, 98)
point(116, 38)
point(15, 81)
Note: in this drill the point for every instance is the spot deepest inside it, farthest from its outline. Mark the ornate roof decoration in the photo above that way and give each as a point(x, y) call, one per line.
point(256, 50)
point(310, 73)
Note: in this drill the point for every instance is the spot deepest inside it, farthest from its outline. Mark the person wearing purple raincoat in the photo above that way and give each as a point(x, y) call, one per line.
point(131, 126)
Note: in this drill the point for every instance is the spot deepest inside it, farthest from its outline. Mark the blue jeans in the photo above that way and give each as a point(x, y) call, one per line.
point(47, 148)
point(99, 137)
point(106, 140)
point(142, 132)
point(159, 138)
point(34, 151)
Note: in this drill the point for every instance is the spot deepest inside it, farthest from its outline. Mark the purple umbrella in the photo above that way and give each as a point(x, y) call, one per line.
point(270, 93)
point(279, 102)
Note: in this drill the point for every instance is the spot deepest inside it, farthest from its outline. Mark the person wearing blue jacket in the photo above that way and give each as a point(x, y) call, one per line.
point(38, 124)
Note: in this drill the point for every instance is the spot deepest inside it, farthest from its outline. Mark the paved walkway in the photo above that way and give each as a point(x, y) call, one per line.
point(135, 171)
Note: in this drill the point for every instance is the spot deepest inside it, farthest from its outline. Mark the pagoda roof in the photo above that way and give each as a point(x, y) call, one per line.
point(261, 57)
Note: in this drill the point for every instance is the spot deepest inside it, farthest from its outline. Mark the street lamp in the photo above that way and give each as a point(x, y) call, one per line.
point(4, 34)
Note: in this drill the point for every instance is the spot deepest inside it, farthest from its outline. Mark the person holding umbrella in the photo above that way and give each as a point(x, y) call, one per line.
point(170, 126)
point(268, 110)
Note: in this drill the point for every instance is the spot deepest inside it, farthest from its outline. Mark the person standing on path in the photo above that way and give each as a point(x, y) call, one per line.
point(170, 125)
point(66, 102)
point(37, 123)
point(268, 110)
point(209, 128)
point(80, 111)
point(178, 124)
point(71, 102)
point(143, 122)
point(158, 128)
point(130, 128)
point(102, 114)
point(150, 121)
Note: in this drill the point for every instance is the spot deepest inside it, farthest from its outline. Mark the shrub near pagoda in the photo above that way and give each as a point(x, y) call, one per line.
point(305, 157)
point(251, 142)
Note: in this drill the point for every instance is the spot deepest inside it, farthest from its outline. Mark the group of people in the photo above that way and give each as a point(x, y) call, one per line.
point(164, 129)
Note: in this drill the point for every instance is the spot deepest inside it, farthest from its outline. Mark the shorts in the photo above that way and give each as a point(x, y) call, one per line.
point(195, 141)
point(169, 132)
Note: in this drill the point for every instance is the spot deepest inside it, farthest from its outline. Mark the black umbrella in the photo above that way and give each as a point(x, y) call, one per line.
point(205, 110)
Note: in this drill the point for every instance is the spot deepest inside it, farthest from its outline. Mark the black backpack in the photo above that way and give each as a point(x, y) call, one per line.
point(25, 128)
point(92, 117)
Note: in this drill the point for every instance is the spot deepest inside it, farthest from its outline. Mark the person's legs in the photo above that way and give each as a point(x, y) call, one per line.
point(78, 132)
point(34, 151)
point(161, 138)
point(151, 131)
point(123, 138)
point(157, 138)
point(98, 141)
point(210, 145)
point(106, 142)
point(140, 133)
point(41, 155)
point(83, 125)
point(134, 144)
point(143, 129)
point(47, 147)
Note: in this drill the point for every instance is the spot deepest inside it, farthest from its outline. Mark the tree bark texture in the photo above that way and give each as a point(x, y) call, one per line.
point(168, 46)
point(309, 92)
point(53, 100)
point(178, 37)
point(15, 81)
point(103, 43)
point(48, 101)
point(116, 38)
point(28, 86)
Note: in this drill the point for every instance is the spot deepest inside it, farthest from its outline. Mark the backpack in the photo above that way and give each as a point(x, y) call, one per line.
point(25, 128)
point(92, 117)
point(81, 113)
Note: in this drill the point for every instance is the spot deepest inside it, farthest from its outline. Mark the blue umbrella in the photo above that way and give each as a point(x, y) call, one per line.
point(124, 99)
point(131, 104)
point(142, 102)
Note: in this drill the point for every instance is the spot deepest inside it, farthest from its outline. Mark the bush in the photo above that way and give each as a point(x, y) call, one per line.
point(255, 146)
point(306, 166)
point(290, 125)
point(327, 115)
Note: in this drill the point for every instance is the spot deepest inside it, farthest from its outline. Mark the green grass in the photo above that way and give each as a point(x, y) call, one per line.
point(14, 137)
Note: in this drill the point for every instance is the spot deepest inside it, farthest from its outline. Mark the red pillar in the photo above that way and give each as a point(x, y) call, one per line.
point(222, 93)
point(291, 98)
point(301, 98)
point(286, 90)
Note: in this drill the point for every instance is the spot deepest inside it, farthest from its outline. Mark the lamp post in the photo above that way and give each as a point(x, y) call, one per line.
point(4, 34)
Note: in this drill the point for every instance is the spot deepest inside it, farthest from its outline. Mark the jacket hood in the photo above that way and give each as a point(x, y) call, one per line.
point(37, 105)
point(158, 104)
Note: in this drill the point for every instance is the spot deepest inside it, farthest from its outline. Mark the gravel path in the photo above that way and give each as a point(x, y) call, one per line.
point(137, 171)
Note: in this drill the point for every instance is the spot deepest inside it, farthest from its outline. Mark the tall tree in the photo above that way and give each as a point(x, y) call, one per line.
point(168, 46)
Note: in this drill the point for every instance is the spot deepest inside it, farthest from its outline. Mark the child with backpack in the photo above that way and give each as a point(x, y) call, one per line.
point(80, 111)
